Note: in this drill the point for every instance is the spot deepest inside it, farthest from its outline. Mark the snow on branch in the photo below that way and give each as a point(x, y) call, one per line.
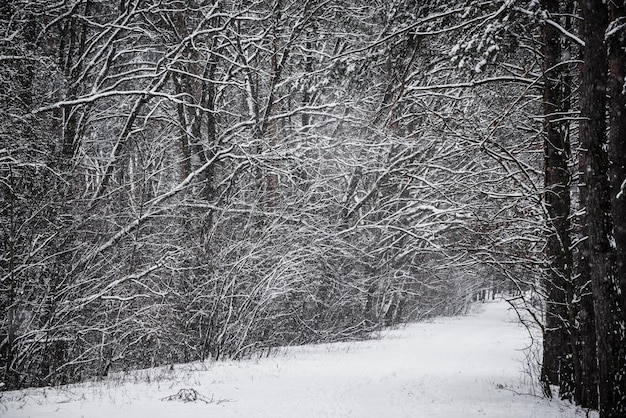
point(157, 200)
point(476, 83)
point(622, 191)
point(176, 98)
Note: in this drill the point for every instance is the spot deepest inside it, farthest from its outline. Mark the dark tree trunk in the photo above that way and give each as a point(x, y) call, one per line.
point(587, 388)
point(559, 340)
point(586, 393)
point(607, 302)
point(617, 139)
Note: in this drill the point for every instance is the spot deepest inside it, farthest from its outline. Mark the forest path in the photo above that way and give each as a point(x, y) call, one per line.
point(461, 367)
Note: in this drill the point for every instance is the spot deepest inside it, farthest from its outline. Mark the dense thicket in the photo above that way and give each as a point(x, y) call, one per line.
point(187, 180)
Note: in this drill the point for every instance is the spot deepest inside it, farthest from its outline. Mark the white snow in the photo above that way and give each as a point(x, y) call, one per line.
point(479, 66)
point(452, 367)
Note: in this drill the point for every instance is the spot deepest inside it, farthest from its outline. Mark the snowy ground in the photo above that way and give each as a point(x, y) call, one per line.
point(453, 367)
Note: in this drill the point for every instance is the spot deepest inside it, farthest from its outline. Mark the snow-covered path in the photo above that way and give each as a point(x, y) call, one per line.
point(452, 367)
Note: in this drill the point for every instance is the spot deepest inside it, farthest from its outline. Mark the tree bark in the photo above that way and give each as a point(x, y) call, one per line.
point(607, 301)
point(617, 137)
point(586, 394)
point(559, 340)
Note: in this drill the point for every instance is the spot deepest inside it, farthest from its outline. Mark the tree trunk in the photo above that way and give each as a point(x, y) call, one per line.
point(559, 341)
point(617, 138)
point(587, 388)
point(586, 394)
point(607, 301)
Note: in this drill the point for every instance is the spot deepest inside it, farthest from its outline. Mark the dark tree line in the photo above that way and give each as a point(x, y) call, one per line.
point(584, 339)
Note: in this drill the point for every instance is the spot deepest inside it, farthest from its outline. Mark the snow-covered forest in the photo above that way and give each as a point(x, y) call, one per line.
point(191, 180)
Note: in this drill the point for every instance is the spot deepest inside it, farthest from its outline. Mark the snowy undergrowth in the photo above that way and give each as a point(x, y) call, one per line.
point(470, 366)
